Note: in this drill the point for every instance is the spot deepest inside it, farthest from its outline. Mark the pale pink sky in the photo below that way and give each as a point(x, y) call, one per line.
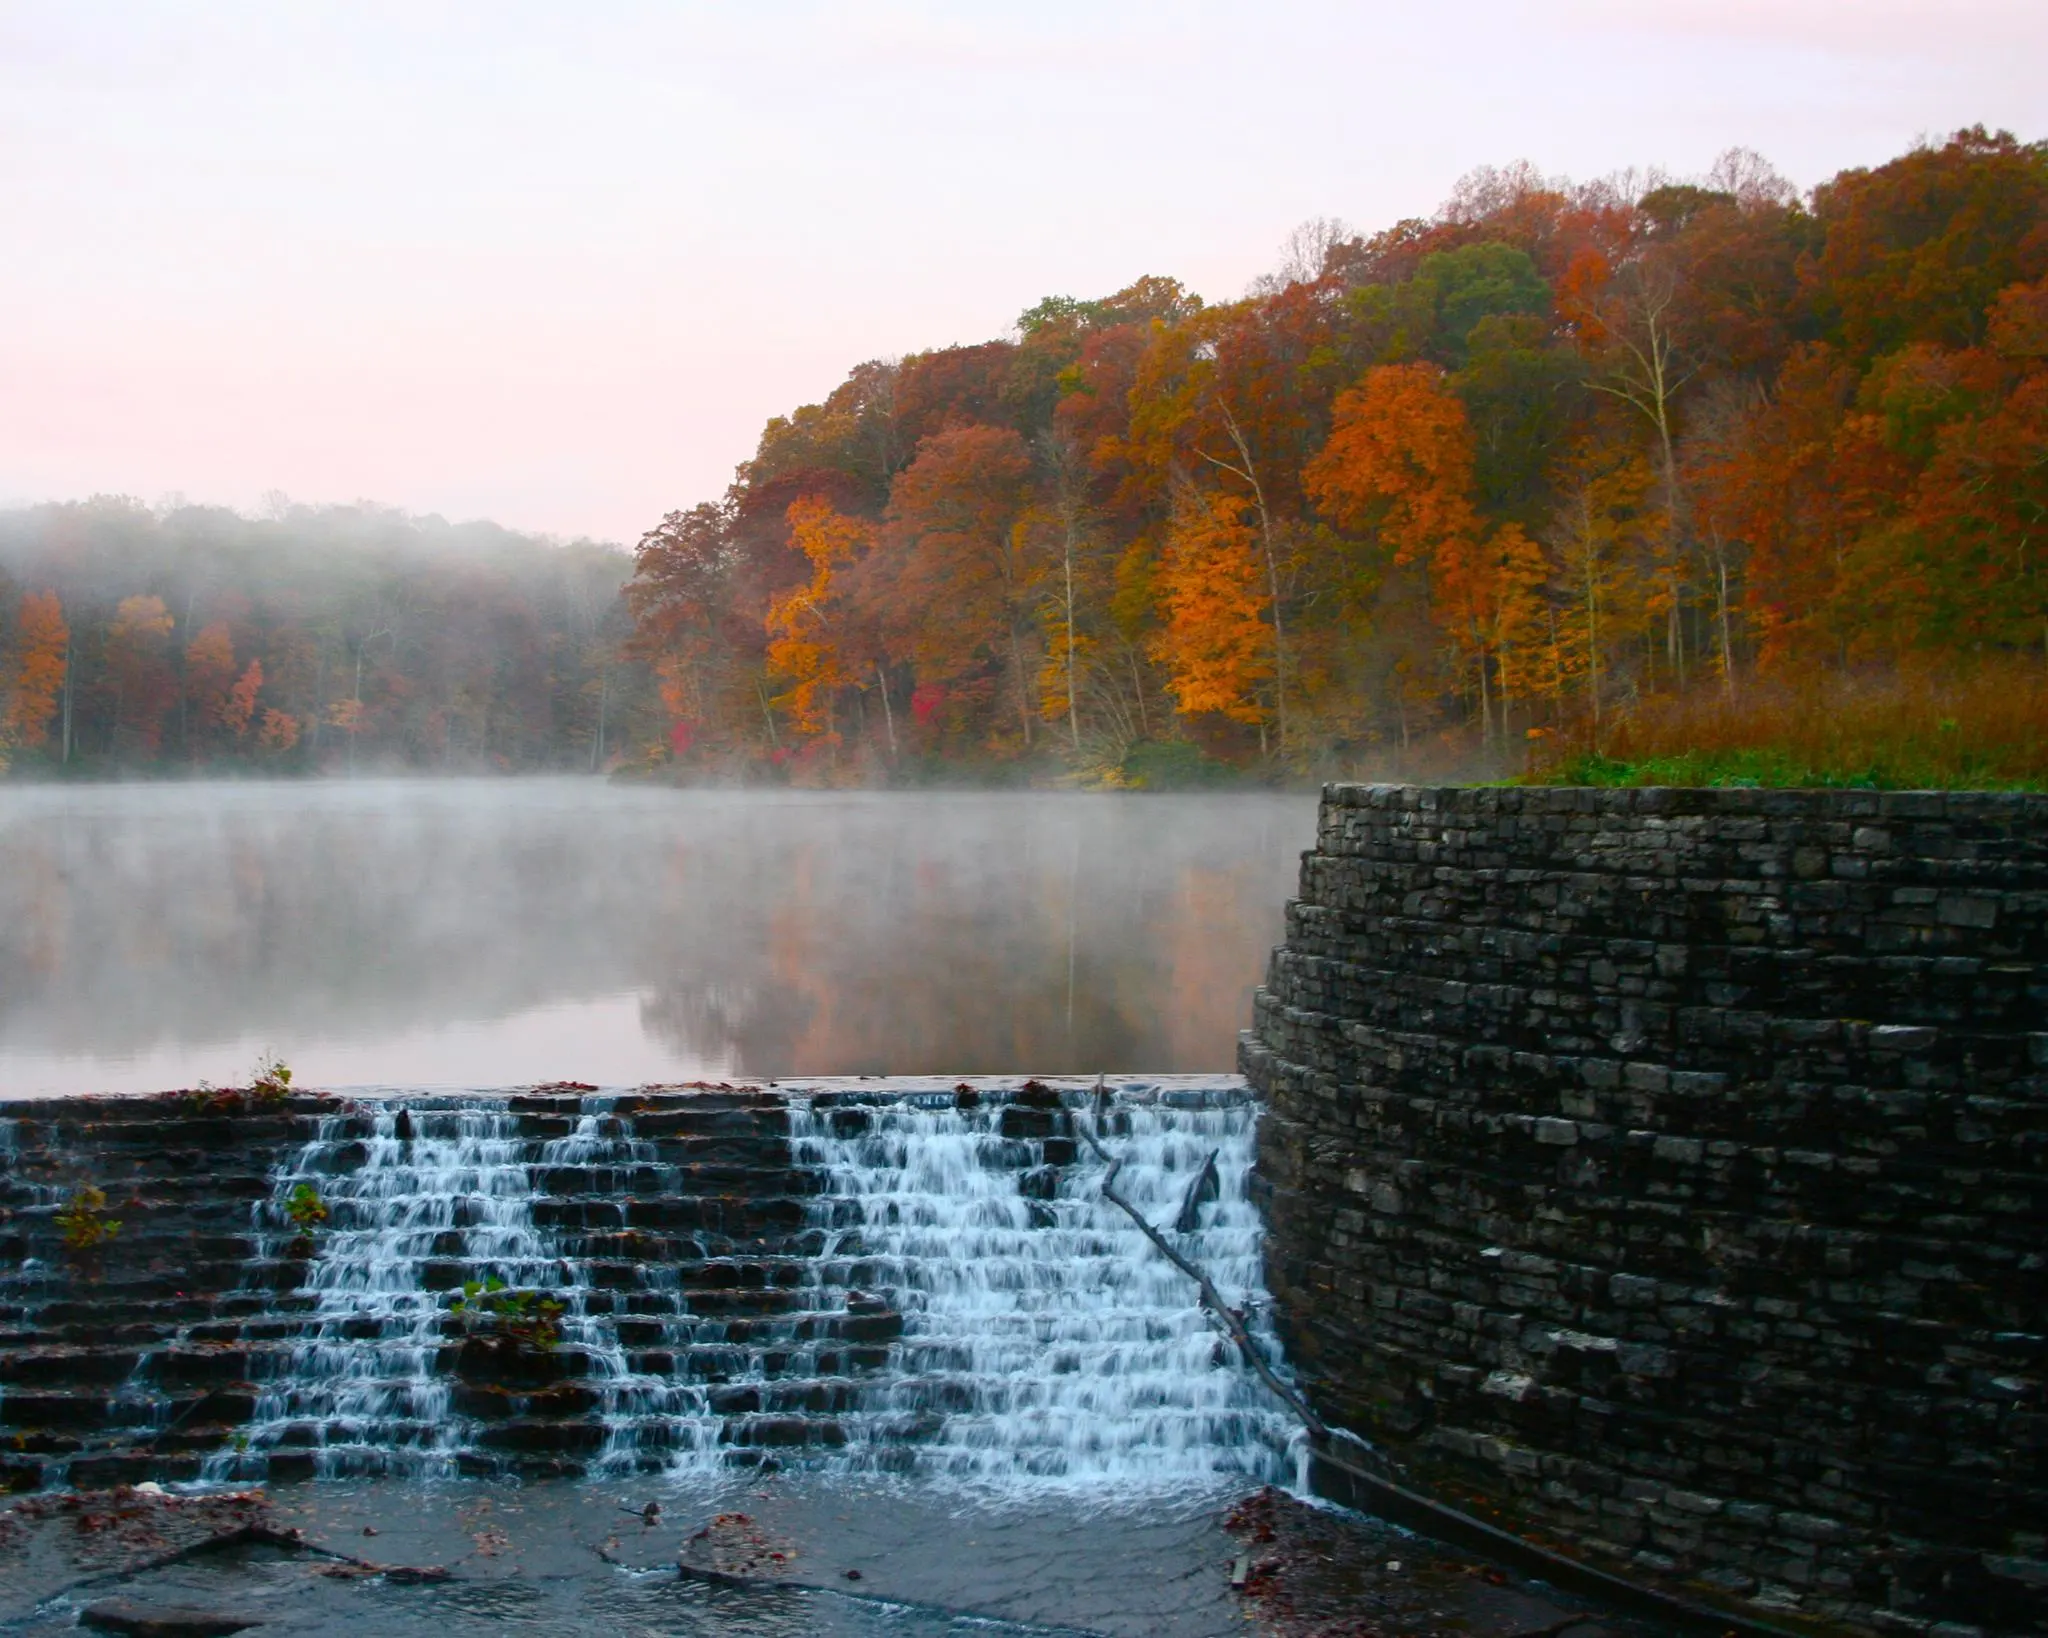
point(555, 264)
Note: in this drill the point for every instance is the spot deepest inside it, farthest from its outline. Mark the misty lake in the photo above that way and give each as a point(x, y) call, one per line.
point(488, 933)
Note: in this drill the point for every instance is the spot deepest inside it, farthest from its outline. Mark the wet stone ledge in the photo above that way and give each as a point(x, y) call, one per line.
point(144, 1355)
point(721, 1297)
point(1666, 1173)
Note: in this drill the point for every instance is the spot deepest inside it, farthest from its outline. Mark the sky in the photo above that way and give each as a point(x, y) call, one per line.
point(556, 264)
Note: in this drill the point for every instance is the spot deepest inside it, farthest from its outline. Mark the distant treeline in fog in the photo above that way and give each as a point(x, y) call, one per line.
point(1523, 474)
point(314, 638)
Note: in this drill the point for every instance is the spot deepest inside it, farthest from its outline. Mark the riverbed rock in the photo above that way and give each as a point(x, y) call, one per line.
point(140, 1620)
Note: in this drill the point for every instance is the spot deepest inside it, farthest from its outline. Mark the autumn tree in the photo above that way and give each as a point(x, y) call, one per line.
point(38, 662)
point(1061, 530)
point(697, 606)
point(1224, 391)
point(950, 543)
point(239, 707)
point(1399, 463)
point(1212, 587)
point(809, 644)
point(1595, 537)
point(138, 671)
point(1919, 249)
point(209, 674)
point(279, 733)
point(1626, 320)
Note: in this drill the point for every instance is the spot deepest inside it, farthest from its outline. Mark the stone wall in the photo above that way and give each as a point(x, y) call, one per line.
point(1662, 1173)
point(139, 1357)
point(718, 1293)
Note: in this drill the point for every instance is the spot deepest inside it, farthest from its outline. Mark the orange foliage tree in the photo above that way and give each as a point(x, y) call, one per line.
point(953, 585)
point(240, 705)
point(210, 673)
point(1399, 463)
point(42, 646)
point(1212, 587)
point(808, 643)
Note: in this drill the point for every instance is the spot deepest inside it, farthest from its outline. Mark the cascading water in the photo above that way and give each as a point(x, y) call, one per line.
point(358, 1382)
point(362, 1383)
point(1043, 1336)
point(915, 1283)
point(647, 1415)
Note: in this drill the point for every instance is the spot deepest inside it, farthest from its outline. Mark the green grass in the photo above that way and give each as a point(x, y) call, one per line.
point(1772, 768)
point(1986, 730)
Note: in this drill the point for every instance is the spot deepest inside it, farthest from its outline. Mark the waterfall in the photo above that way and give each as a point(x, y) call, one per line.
point(910, 1283)
point(357, 1380)
point(1043, 1337)
point(648, 1416)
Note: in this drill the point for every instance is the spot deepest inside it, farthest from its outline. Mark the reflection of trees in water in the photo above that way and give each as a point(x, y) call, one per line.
point(793, 934)
point(905, 955)
point(919, 1004)
point(202, 914)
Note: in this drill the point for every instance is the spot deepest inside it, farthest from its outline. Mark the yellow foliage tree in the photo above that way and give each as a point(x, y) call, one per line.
point(803, 642)
point(1216, 645)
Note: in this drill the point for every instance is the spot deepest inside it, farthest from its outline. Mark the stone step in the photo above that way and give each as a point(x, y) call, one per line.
point(782, 1432)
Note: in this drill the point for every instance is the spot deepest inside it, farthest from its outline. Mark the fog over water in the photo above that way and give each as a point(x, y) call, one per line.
point(491, 933)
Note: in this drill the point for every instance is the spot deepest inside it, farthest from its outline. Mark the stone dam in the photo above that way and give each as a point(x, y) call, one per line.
point(687, 1280)
point(1665, 1174)
point(1654, 1175)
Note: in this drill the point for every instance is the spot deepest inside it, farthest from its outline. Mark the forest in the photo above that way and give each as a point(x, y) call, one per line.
point(182, 638)
point(1692, 479)
point(1564, 475)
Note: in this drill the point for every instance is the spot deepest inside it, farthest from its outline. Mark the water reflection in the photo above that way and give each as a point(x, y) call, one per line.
point(423, 933)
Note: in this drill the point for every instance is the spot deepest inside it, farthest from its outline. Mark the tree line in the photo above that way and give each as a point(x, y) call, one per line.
point(330, 638)
point(1511, 472)
point(1522, 473)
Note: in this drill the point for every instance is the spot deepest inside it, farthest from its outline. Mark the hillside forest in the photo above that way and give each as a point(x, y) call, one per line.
point(1566, 478)
point(183, 638)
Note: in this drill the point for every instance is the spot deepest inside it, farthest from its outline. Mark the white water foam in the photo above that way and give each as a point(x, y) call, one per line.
point(1044, 1340)
point(357, 1384)
point(1047, 1339)
point(360, 1384)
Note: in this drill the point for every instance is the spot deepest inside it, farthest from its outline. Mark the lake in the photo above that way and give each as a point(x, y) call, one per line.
point(455, 933)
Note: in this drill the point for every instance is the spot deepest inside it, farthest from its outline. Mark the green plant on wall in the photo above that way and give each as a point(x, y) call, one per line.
point(83, 1221)
point(307, 1212)
point(305, 1208)
point(487, 1308)
point(272, 1079)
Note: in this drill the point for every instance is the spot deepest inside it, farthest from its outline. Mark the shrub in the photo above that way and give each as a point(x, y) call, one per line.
point(272, 1080)
point(83, 1222)
point(526, 1318)
point(1172, 765)
point(305, 1208)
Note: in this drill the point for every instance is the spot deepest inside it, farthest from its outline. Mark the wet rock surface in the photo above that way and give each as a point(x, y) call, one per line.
point(787, 1555)
point(82, 1539)
point(1307, 1571)
point(143, 1620)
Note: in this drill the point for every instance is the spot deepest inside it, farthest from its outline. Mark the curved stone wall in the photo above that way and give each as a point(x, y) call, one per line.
point(1662, 1172)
